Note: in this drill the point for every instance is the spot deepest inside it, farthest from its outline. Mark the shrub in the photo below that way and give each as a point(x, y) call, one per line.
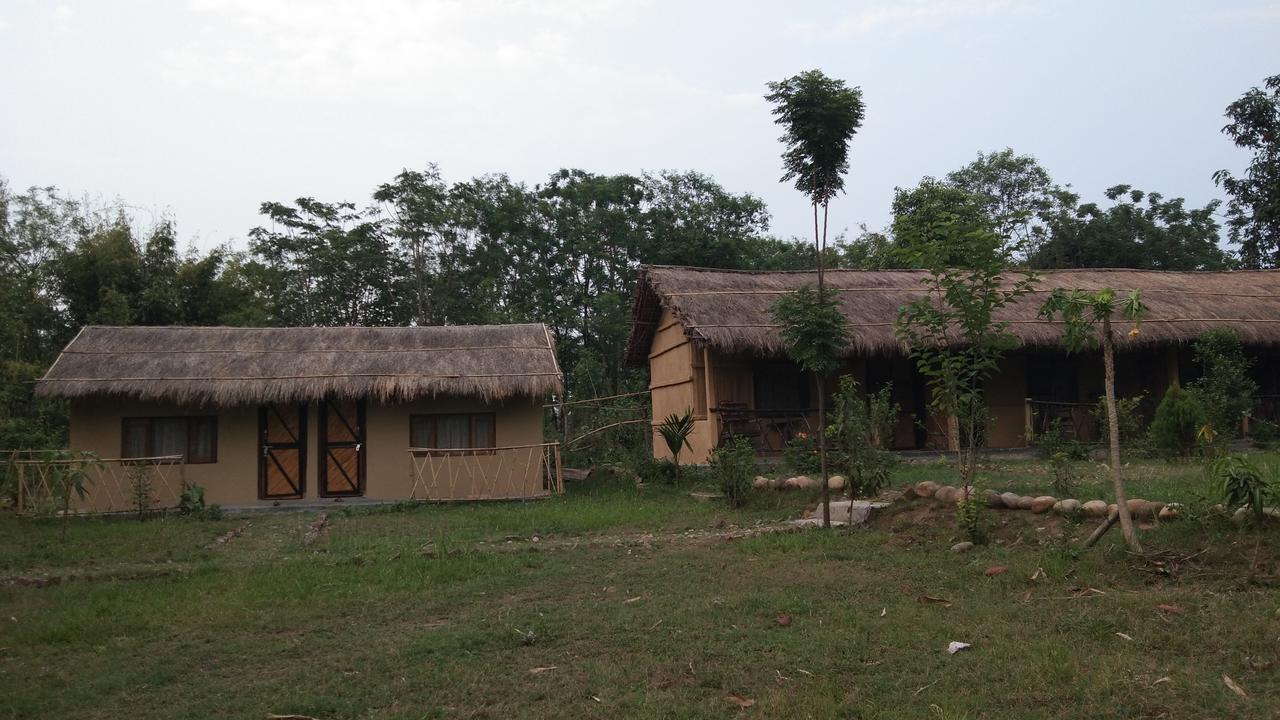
point(853, 435)
point(733, 467)
point(1177, 423)
point(191, 502)
point(675, 431)
point(1224, 388)
point(883, 413)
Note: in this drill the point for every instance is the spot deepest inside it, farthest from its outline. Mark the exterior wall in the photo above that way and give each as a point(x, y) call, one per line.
point(1006, 395)
point(675, 388)
point(233, 480)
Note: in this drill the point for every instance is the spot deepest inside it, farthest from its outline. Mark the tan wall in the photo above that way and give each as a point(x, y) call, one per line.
point(1006, 395)
point(233, 479)
point(673, 390)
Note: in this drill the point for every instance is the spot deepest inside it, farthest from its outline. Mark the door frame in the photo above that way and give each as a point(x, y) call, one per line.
point(361, 444)
point(300, 444)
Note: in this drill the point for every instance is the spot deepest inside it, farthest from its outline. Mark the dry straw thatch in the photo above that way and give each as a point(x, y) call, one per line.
point(234, 366)
point(729, 310)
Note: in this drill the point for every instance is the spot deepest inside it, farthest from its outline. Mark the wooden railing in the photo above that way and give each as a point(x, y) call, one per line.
point(45, 483)
point(498, 473)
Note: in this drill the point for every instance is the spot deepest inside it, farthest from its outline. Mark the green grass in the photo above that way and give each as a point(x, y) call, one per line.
point(423, 612)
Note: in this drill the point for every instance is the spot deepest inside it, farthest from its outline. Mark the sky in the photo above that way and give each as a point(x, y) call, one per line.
point(200, 110)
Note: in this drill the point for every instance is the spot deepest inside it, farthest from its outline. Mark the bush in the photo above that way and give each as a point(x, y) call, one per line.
point(733, 467)
point(1224, 388)
point(1178, 421)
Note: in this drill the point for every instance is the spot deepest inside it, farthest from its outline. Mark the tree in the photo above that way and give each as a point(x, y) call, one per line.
point(418, 203)
point(920, 211)
point(1253, 212)
point(821, 115)
point(1157, 234)
point(1086, 316)
point(1016, 194)
point(954, 337)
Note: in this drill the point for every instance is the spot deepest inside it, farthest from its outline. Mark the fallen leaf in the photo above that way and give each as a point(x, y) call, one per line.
point(997, 570)
point(1038, 574)
point(1234, 687)
point(540, 670)
point(941, 601)
point(273, 716)
point(628, 601)
point(593, 697)
point(956, 647)
point(784, 621)
point(1169, 608)
point(1126, 637)
point(1165, 679)
point(883, 611)
point(740, 701)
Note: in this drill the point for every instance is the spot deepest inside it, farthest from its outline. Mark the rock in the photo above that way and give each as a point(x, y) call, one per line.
point(1144, 509)
point(1241, 516)
point(1070, 506)
point(854, 512)
point(992, 499)
point(784, 621)
point(799, 482)
point(1025, 502)
point(926, 488)
point(996, 570)
point(761, 482)
point(1010, 500)
point(1168, 512)
point(1094, 508)
point(945, 494)
point(1043, 504)
point(836, 482)
point(1111, 509)
point(960, 547)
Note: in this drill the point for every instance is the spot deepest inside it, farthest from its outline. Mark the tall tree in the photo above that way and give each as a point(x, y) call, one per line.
point(918, 214)
point(821, 115)
point(1016, 193)
point(418, 203)
point(1088, 320)
point(1253, 212)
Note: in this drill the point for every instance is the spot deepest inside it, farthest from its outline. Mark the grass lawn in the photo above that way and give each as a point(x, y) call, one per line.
point(619, 602)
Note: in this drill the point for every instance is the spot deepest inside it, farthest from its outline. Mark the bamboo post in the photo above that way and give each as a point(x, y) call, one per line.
point(22, 486)
point(559, 474)
point(1028, 414)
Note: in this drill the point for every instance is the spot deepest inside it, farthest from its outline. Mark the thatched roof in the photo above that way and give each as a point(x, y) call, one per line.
point(729, 310)
point(233, 366)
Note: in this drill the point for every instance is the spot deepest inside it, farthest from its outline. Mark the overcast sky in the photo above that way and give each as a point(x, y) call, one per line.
point(205, 108)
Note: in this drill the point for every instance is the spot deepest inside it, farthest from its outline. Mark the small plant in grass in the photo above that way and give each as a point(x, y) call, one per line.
point(191, 501)
point(1133, 429)
point(801, 454)
point(1240, 483)
point(969, 516)
point(1062, 453)
point(675, 432)
point(141, 489)
point(1179, 421)
point(883, 413)
point(854, 445)
point(733, 467)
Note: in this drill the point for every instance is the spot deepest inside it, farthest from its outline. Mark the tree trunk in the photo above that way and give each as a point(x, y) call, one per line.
point(821, 381)
point(1113, 433)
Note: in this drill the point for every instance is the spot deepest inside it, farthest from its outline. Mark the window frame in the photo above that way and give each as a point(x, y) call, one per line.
point(149, 420)
point(471, 448)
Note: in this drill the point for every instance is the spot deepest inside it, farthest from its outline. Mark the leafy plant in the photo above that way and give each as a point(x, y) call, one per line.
point(866, 465)
point(1087, 318)
point(1178, 422)
point(883, 413)
point(1240, 484)
point(191, 501)
point(675, 431)
point(1224, 387)
point(733, 467)
point(1062, 453)
point(1128, 416)
point(969, 517)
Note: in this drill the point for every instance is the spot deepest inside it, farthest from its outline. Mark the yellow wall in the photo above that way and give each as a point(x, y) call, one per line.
point(233, 479)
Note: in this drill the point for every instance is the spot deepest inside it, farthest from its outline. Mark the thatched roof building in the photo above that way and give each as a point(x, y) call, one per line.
point(235, 366)
point(729, 310)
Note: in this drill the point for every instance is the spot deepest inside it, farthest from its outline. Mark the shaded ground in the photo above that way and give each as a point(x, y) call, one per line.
point(620, 602)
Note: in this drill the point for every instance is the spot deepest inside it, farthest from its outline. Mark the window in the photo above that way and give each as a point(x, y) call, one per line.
point(195, 438)
point(460, 431)
point(781, 386)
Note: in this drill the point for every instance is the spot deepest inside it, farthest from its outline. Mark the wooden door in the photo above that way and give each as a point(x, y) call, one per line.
point(282, 451)
point(342, 448)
